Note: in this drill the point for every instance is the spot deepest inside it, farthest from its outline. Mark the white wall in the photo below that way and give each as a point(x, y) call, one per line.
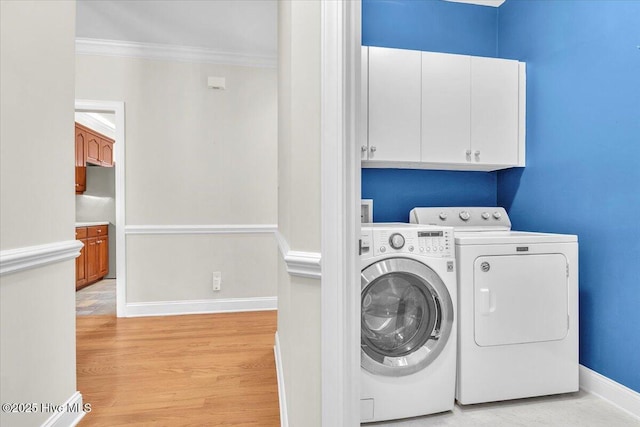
point(299, 206)
point(194, 156)
point(37, 306)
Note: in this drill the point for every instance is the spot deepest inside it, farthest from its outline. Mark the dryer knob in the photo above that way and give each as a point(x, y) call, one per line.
point(485, 215)
point(443, 215)
point(464, 215)
point(396, 241)
point(497, 215)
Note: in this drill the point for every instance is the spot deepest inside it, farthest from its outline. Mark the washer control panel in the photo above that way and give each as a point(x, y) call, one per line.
point(463, 218)
point(380, 239)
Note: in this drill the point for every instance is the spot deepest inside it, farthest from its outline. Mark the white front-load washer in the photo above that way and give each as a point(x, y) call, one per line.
point(517, 306)
point(408, 321)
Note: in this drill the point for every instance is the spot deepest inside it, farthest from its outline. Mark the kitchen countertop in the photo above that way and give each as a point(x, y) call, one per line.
point(91, 224)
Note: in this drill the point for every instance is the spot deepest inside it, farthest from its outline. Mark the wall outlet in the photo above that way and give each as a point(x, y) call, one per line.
point(217, 281)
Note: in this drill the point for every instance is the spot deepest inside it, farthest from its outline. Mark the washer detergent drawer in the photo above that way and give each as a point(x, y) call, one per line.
point(520, 299)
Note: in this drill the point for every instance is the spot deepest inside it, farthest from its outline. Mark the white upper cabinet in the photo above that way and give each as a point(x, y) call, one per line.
point(494, 111)
point(394, 104)
point(446, 107)
point(442, 111)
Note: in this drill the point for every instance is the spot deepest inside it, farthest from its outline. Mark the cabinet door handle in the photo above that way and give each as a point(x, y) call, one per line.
point(363, 148)
point(477, 154)
point(99, 241)
point(373, 148)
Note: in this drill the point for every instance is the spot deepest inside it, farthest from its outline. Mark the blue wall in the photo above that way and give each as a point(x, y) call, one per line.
point(396, 191)
point(583, 159)
point(432, 25)
point(583, 144)
point(436, 26)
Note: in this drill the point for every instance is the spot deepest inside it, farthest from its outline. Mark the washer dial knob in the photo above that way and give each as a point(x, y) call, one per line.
point(497, 215)
point(464, 215)
point(443, 215)
point(396, 241)
point(485, 215)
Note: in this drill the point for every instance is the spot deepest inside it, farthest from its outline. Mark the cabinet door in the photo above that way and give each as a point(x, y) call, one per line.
point(92, 259)
point(106, 153)
point(494, 111)
point(446, 107)
point(93, 149)
point(394, 104)
point(364, 103)
point(81, 266)
point(81, 147)
point(81, 179)
point(103, 256)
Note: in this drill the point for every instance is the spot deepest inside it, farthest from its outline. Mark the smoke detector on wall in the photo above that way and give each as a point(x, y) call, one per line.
point(494, 3)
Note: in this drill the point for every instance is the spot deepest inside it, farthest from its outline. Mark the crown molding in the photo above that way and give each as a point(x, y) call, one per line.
point(88, 120)
point(100, 47)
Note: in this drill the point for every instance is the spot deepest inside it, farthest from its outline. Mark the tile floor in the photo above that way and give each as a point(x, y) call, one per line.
point(579, 409)
point(97, 299)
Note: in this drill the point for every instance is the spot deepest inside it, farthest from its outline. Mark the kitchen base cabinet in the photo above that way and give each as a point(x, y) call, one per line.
point(93, 263)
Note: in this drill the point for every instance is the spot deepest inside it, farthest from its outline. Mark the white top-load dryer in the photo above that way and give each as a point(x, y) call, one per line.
point(408, 321)
point(517, 306)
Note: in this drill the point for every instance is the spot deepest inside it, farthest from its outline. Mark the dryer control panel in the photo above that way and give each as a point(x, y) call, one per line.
point(381, 239)
point(464, 218)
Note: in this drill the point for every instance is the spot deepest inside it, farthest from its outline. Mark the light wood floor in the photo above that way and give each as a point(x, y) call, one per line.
point(197, 370)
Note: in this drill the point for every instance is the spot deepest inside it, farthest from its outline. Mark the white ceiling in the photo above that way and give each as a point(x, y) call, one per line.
point(246, 27)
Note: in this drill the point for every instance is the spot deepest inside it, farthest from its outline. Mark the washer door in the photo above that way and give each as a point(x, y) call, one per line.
point(406, 316)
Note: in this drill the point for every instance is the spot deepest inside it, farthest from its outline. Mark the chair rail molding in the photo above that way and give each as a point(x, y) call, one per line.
point(201, 229)
point(20, 259)
point(301, 264)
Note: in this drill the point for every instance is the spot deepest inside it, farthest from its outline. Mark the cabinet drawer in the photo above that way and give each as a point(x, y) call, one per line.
point(98, 230)
point(81, 233)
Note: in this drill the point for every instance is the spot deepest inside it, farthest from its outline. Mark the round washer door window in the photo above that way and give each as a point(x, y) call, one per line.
point(406, 316)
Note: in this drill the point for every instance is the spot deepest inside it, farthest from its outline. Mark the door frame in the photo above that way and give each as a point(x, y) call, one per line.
point(117, 108)
point(340, 194)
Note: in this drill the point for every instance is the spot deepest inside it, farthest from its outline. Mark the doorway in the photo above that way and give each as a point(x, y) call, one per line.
point(109, 202)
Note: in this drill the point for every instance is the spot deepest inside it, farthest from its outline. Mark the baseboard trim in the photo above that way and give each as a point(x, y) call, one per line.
point(201, 229)
point(175, 308)
point(282, 396)
point(301, 264)
point(71, 415)
point(611, 391)
point(15, 260)
point(101, 47)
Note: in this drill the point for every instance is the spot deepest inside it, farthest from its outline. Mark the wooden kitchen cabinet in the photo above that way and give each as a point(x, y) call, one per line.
point(81, 161)
point(81, 261)
point(93, 263)
point(97, 148)
point(93, 148)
